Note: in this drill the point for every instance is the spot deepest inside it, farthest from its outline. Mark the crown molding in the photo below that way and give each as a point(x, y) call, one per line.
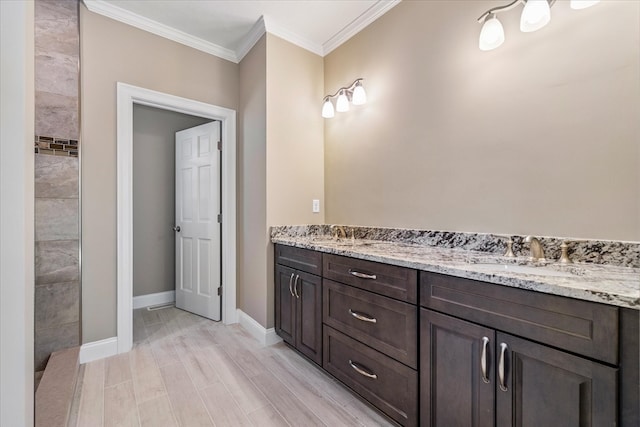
point(114, 12)
point(358, 24)
point(277, 30)
point(263, 25)
point(256, 32)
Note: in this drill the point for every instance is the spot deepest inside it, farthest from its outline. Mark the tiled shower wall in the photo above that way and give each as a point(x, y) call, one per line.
point(57, 248)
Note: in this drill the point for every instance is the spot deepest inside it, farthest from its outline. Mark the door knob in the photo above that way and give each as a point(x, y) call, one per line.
point(176, 228)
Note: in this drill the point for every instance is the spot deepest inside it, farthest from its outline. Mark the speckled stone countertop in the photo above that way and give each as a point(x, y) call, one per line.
point(617, 285)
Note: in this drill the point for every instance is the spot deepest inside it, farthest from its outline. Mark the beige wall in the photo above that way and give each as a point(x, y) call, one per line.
point(295, 142)
point(295, 134)
point(112, 52)
point(540, 136)
point(251, 185)
point(281, 157)
point(154, 132)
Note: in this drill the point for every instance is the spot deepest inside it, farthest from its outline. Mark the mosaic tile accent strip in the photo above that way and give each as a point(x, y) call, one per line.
point(56, 146)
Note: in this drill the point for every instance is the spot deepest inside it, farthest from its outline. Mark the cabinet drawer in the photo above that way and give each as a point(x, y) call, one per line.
point(299, 258)
point(391, 386)
point(392, 281)
point(385, 324)
point(582, 327)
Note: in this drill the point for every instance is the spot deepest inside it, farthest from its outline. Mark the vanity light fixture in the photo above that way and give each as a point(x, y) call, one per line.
point(535, 15)
point(353, 93)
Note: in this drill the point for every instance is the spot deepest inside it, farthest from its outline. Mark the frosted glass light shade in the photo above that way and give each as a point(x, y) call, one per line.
point(359, 95)
point(342, 104)
point(535, 15)
point(491, 35)
point(583, 4)
point(327, 109)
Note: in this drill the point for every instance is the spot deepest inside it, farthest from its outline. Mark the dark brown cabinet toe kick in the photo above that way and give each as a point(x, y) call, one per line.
point(435, 350)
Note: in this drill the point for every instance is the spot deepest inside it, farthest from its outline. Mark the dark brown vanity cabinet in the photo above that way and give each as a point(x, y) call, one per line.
point(370, 332)
point(438, 350)
point(474, 374)
point(298, 300)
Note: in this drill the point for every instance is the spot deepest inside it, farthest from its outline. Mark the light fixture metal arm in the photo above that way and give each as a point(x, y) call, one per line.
point(500, 9)
point(506, 7)
point(345, 88)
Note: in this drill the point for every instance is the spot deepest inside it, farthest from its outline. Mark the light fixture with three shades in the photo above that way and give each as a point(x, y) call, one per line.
point(535, 15)
point(353, 93)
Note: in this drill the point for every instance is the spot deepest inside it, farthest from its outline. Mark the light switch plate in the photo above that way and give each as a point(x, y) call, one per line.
point(315, 206)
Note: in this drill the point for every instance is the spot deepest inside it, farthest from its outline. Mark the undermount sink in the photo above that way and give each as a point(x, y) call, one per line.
point(528, 269)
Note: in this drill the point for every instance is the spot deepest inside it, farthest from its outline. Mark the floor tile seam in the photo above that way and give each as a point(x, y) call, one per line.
point(266, 398)
point(233, 359)
point(171, 409)
point(197, 390)
point(190, 375)
point(164, 385)
point(317, 392)
point(204, 405)
point(293, 394)
point(262, 407)
point(331, 383)
point(235, 401)
point(153, 360)
point(100, 388)
point(275, 408)
point(171, 343)
point(135, 402)
point(144, 400)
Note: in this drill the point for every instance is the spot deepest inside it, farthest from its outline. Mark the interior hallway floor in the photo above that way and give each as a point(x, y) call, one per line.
point(185, 370)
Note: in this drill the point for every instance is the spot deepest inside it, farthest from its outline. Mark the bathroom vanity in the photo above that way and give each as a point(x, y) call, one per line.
point(442, 336)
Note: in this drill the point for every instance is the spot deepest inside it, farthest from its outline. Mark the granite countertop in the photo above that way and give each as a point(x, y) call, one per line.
point(609, 284)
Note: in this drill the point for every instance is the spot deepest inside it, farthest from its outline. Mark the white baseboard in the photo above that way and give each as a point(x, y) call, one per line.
point(98, 350)
point(259, 332)
point(154, 299)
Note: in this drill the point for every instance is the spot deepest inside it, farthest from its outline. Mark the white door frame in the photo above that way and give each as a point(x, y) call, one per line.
point(127, 96)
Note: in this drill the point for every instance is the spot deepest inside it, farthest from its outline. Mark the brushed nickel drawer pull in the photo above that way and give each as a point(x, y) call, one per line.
point(503, 350)
point(362, 371)
point(362, 275)
point(363, 317)
point(291, 283)
point(483, 359)
point(295, 286)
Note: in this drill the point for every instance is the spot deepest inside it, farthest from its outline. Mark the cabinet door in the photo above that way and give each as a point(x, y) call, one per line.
point(308, 290)
point(285, 304)
point(453, 389)
point(547, 387)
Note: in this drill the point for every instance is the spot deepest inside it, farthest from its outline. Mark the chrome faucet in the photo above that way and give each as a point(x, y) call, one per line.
point(537, 253)
point(337, 230)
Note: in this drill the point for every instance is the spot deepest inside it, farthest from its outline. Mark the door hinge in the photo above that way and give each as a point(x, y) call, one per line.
point(220, 218)
point(220, 145)
point(219, 290)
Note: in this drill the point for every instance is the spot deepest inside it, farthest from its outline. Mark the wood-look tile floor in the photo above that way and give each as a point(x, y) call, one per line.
point(185, 370)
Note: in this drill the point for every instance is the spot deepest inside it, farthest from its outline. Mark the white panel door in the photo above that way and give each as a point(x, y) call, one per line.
point(197, 228)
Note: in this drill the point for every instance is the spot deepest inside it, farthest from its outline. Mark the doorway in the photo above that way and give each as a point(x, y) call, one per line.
point(176, 258)
point(128, 96)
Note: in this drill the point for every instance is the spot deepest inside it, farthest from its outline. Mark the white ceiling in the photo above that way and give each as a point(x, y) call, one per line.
point(229, 28)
